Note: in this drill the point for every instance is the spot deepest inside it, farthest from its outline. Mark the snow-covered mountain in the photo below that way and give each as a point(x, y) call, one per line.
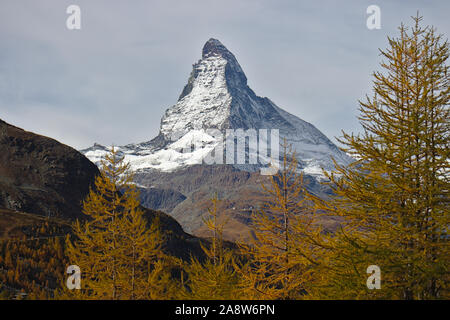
point(217, 97)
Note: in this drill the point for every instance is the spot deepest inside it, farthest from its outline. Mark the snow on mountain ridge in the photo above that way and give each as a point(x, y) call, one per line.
point(217, 96)
point(207, 104)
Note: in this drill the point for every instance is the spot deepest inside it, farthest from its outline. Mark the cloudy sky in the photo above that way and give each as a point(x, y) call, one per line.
point(111, 81)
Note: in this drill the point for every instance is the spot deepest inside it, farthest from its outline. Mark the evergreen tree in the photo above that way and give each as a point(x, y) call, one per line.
point(117, 252)
point(278, 265)
point(394, 198)
point(215, 277)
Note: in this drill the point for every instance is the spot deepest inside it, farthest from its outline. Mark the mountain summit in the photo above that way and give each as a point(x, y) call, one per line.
point(175, 178)
point(214, 46)
point(217, 96)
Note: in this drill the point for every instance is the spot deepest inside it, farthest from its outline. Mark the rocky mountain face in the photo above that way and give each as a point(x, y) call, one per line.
point(41, 178)
point(239, 191)
point(161, 199)
point(218, 99)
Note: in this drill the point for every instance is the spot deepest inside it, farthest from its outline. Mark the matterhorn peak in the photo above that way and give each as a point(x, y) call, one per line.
point(217, 96)
point(214, 46)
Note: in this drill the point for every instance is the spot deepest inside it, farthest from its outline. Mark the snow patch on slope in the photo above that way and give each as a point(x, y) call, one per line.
point(217, 97)
point(206, 106)
point(189, 150)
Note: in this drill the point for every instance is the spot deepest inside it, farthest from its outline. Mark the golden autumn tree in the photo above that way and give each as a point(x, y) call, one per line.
point(119, 255)
point(145, 269)
point(215, 277)
point(394, 199)
point(280, 260)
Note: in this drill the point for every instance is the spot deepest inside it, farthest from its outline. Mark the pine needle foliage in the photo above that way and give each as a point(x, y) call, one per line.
point(280, 259)
point(215, 277)
point(394, 200)
point(120, 254)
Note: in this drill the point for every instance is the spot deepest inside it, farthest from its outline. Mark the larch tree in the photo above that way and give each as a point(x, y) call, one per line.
point(215, 277)
point(145, 268)
point(279, 261)
point(394, 199)
point(118, 253)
